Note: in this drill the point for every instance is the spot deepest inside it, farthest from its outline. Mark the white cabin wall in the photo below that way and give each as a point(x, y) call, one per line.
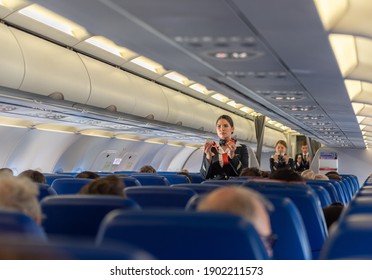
point(173, 158)
point(39, 150)
point(193, 163)
point(10, 139)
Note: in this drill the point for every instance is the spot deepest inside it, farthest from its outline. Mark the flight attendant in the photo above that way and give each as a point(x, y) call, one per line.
point(280, 159)
point(224, 159)
point(303, 159)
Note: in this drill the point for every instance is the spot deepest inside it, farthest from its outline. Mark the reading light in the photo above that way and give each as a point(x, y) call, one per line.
point(177, 77)
point(51, 19)
point(199, 88)
point(147, 64)
point(220, 97)
point(104, 44)
point(344, 48)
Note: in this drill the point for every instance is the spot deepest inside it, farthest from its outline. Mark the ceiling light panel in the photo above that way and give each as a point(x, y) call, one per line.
point(48, 23)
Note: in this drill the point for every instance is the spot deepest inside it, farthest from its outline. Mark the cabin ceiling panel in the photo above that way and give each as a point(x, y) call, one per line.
point(242, 48)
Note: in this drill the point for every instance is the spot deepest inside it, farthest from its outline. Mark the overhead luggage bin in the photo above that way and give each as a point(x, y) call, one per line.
point(12, 66)
point(109, 86)
point(50, 68)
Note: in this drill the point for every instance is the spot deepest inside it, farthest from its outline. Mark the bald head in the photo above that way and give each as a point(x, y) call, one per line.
point(243, 202)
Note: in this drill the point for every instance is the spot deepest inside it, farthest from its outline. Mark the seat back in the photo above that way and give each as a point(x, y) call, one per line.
point(308, 205)
point(324, 197)
point(160, 197)
point(44, 191)
point(49, 178)
point(287, 224)
point(150, 179)
point(69, 185)
point(79, 215)
point(336, 194)
point(224, 182)
point(20, 249)
point(176, 179)
point(351, 239)
point(196, 178)
point(180, 235)
point(17, 223)
point(199, 188)
point(130, 181)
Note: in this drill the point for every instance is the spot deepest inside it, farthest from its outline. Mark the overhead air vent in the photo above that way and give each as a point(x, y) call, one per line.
point(309, 117)
point(234, 55)
point(298, 108)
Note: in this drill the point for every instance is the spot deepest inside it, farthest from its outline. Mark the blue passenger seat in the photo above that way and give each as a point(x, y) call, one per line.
point(21, 225)
point(307, 203)
point(150, 179)
point(351, 239)
point(179, 235)
point(199, 188)
point(152, 197)
point(69, 185)
point(288, 226)
point(80, 215)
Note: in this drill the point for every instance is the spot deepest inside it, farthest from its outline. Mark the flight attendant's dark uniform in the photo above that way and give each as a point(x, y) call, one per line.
point(281, 164)
point(305, 163)
point(220, 169)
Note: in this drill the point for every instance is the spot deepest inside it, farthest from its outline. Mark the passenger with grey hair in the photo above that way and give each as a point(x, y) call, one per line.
point(321, 177)
point(246, 203)
point(20, 194)
point(308, 174)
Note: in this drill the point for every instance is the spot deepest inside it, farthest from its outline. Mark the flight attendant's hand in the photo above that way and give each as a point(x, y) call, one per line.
point(286, 159)
point(231, 148)
point(207, 148)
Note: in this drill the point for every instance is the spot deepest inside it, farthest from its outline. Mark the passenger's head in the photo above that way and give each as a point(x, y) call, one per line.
point(34, 175)
point(147, 169)
point(224, 127)
point(281, 147)
point(87, 175)
point(6, 172)
point(251, 171)
point(109, 185)
point(333, 175)
point(304, 148)
point(246, 203)
point(320, 177)
point(332, 213)
point(185, 174)
point(287, 175)
point(265, 174)
point(308, 174)
point(20, 194)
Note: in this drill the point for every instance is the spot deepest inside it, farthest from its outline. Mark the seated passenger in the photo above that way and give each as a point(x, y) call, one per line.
point(287, 175)
point(20, 194)
point(333, 175)
point(6, 172)
point(185, 174)
point(34, 175)
point(147, 169)
point(109, 185)
point(87, 175)
point(332, 213)
point(251, 171)
point(308, 174)
point(320, 177)
point(248, 204)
